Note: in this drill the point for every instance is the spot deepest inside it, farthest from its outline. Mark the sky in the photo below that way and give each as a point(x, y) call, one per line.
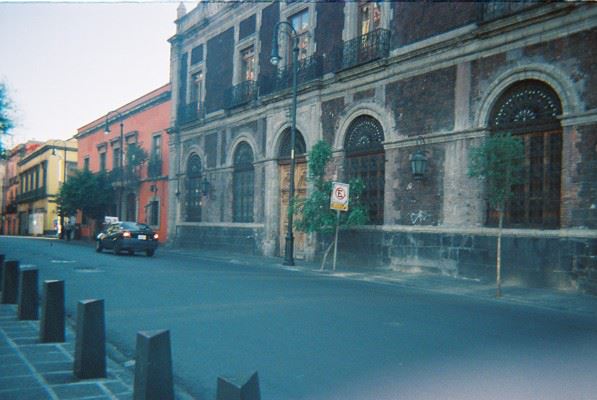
point(67, 64)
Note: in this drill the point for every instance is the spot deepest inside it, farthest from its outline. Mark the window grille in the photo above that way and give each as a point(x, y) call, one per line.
point(193, 197)
point(244, 178)
point(365, 159)
point(530, 110)
point(299, 145)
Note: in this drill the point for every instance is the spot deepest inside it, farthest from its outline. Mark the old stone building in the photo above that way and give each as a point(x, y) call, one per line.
point(380, 81)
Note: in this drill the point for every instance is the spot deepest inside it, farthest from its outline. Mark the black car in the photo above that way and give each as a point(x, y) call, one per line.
point(127, 236)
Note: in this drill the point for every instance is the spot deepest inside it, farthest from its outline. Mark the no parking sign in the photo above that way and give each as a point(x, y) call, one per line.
point(339, 198)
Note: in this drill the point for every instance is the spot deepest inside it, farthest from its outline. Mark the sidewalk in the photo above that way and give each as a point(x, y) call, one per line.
point(38, 371)
point(568, 301)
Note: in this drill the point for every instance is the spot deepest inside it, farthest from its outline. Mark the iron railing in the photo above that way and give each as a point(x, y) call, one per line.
point(124, 176)
point(154, 167)
point(365, 48)
point(32, 195)
point(309, 69)
point(191, 112)
point(240, 94)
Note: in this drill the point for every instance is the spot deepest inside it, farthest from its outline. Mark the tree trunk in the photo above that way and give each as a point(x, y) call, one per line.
point(498, 265)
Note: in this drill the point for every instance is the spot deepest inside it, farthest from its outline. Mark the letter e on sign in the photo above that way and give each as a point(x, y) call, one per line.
point(339, 197)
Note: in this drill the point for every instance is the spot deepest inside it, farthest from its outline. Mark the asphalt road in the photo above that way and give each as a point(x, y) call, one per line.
point(319, 337)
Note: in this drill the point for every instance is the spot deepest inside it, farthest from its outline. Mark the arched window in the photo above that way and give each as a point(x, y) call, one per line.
point(244, 181)
point(530, 110)
point(365, 159)
point(193, 195)
point(299, 145)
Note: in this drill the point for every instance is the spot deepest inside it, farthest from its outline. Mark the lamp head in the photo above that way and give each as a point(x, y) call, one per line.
point(275, 57)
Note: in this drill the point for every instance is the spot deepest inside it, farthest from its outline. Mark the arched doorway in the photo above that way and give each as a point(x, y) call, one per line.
point(193, 189)
point(300, 188)
point(529, 110)
point(365, 159)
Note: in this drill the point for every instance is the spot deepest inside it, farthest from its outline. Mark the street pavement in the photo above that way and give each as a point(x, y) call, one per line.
point(30, 370)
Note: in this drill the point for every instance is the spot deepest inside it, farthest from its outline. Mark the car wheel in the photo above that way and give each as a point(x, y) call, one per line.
point(98, 246)
point(117, 248)
point(149, 252)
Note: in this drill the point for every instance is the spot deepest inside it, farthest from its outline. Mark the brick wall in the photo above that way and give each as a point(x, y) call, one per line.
point(413, 98)
point(414, 21)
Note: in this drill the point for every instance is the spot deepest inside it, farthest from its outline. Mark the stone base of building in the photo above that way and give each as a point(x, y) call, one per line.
point(550, 259)
point(235, 238)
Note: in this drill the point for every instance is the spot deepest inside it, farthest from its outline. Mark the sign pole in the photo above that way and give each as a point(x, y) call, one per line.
point(336, 239)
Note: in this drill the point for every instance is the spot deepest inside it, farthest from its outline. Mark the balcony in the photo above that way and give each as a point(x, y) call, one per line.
point(309, 69)
point(124, 177)
point(154, 168)
point(32, 195)
point(240, 94)
point(190, 112)
point(365, 48)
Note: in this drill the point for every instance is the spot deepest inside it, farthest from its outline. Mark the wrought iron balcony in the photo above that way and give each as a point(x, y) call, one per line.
point(365, 48)
point(190, 112)
point(309, 69)
point(32, 195)
point(124, 176)
point(154, 167)
point(240, 94)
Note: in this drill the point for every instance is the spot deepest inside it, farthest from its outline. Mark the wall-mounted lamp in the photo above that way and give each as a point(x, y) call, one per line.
point(418, 160)
point(205, 186)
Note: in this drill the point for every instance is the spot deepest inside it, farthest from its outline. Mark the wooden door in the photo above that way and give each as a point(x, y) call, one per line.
point(300, 191)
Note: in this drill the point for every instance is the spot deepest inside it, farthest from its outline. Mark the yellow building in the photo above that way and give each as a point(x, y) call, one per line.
point(41, 173)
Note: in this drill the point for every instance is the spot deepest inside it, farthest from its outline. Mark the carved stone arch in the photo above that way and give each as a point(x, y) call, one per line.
point(382, 115)
point(243, 137)
point(273, 150)
point(284, 144)
point(560, 82)
point(194, 149)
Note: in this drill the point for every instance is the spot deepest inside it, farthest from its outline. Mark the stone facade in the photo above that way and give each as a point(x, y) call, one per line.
point(432, 77)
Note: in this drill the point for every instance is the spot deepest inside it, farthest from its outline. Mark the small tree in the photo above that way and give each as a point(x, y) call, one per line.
point(498, 162)
point(6, 123)
point(313, 213)
point(87, 192)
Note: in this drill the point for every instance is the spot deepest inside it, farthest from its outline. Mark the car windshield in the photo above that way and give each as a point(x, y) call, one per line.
point(134, 226)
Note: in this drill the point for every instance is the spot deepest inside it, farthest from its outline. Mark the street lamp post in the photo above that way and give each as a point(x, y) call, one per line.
point(275, 59)
point(121, 160)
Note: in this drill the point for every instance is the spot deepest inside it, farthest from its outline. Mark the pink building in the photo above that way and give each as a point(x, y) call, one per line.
point(131, 143)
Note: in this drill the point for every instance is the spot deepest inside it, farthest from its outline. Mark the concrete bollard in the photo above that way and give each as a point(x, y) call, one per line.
point(90, 342)
point(229, 390)
point(51, 326)
point(10, 282)
point(28, 294)
point(153, 366)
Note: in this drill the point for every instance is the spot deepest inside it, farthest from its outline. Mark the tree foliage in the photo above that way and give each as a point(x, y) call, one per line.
point(314, 213)
point(135, 155)
point(498, 161)
point(6, 123)
point(87, 192)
